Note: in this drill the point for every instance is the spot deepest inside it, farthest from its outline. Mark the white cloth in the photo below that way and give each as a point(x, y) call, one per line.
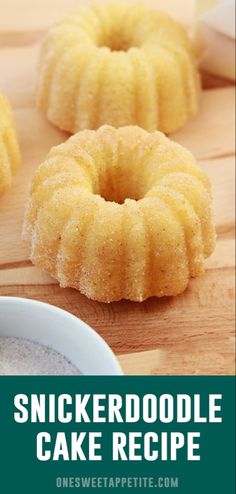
point(215, 35)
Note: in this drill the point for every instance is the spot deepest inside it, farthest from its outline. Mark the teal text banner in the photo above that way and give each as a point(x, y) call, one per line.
point(30, 464)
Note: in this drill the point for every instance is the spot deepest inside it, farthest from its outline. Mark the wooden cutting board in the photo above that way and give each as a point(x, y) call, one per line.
point(189, 334)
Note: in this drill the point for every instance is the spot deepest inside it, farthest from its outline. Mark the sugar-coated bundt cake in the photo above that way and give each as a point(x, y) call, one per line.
point(120, 214)
point(118, 64)
point(9, 148)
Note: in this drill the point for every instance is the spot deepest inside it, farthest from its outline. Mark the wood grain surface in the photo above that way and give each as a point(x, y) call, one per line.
point(189, 334)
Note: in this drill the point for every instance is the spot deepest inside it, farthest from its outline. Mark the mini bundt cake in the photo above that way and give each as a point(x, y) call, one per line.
point(120, 214)
point(9, 148)
point(118, 64)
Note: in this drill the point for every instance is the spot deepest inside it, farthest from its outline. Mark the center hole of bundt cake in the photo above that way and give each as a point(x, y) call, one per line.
point(113, 27)
point(116, 43)
point(116, 38)
point(119, 186)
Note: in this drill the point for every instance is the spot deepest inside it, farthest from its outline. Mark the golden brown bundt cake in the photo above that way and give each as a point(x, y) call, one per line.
point(9, 148)
point(120, 214)
point(118, 64)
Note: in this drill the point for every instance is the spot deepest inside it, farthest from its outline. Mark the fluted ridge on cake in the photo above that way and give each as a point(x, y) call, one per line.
point(9, 147)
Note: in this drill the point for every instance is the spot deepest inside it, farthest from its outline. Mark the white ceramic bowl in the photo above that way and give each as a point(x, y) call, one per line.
point(60, 330)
